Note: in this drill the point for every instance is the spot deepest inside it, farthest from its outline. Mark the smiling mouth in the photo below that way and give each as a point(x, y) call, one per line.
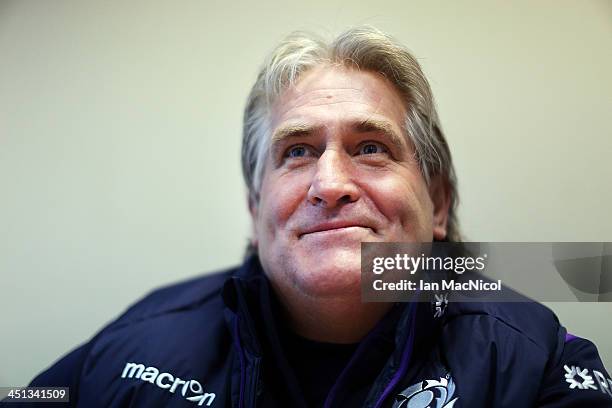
point(334, 230)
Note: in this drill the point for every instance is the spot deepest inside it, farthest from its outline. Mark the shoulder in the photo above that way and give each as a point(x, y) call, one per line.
point(182, 312)
point(488, 340)
point(575, 376)
point(526, 321)
point(170, 323)
point(482, 342)
point(199, 292)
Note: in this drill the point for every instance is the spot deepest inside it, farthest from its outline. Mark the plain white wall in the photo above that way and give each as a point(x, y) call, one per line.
point(120, 135)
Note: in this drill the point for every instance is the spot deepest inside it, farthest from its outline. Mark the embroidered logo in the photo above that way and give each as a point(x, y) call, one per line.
point(440, 303)
point(584, 380)
point(580, 379)
point(191, 390)
point(428, 394)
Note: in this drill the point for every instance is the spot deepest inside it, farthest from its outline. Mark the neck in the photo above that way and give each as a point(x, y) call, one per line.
point(342, 319)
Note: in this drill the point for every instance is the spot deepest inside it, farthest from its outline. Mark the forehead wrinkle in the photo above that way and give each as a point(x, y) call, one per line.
point(294, 98)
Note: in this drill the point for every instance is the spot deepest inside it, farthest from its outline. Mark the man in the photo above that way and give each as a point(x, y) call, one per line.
point(342, 145)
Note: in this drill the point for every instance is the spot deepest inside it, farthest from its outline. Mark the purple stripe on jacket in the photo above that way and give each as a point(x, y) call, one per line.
point(569, 337)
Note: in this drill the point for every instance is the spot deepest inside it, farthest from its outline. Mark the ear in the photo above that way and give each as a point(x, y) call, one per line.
point(253, 211)
point(439, 192)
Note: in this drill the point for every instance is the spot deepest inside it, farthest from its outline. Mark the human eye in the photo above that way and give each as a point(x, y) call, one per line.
point(369, 148)
point(298, 151)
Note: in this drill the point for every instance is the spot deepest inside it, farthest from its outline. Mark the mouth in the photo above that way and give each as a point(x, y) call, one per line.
point(333, 227)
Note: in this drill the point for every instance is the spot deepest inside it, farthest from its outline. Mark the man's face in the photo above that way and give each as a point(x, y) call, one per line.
point(340, 171)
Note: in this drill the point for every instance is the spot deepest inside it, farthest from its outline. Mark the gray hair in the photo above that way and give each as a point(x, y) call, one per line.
point(364, 48)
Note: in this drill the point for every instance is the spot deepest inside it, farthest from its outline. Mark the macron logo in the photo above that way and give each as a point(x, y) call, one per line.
point(191, 390)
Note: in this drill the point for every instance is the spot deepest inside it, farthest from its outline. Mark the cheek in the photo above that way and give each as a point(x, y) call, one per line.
point(280, 198)
point(403, 199)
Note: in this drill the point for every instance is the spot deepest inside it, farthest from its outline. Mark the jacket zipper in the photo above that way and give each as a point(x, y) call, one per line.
point(404, 362)
point(242, 358)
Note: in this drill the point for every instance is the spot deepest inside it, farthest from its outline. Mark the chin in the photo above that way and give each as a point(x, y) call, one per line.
point(331, 273)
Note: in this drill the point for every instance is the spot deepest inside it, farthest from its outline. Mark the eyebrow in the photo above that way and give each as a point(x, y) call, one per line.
point(365, 126)
point(293, 130)
point(380, 126)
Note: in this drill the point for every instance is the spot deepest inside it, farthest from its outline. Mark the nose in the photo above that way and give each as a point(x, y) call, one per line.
point(333, 182)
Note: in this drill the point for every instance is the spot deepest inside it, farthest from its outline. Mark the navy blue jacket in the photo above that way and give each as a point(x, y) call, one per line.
point(208, 342)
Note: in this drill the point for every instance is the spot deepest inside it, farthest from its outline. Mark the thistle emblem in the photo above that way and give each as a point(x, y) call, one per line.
point(428, 394)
